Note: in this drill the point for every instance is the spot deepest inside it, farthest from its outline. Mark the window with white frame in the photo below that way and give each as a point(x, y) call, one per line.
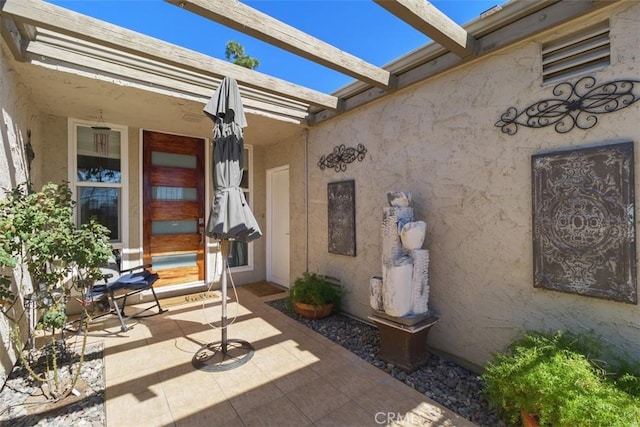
point(97, 175)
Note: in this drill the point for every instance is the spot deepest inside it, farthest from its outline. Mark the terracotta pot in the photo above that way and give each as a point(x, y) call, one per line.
point(309, 311)
point(528, 420)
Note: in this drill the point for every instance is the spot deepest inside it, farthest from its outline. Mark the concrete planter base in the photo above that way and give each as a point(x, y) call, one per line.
point(403, 345)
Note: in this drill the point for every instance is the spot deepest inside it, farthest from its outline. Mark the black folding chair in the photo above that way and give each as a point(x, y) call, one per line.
point(112, 295)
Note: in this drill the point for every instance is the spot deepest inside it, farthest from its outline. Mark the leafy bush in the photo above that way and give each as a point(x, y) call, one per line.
point(315, 290)
point(566, 380)
point(38, 235)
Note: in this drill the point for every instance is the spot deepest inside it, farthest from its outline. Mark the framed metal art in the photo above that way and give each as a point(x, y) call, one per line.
point(583, 222)
point(342, 217)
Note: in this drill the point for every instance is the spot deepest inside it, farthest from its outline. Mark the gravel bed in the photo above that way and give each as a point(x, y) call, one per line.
point(451, 385)
point(22, 404)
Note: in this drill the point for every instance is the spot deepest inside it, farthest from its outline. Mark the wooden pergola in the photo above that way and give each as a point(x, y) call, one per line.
point(34, 29)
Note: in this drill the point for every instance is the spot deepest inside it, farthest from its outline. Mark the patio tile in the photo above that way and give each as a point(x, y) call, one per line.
point(403, 406)
point(349, 414)
point(172, 351)
point(324, 361)
point(133, 402)
point(383, 399)
point(209, 418)
point(195, 398)
point(351, 380)
point(241, 379)
point(280, 412)
point(126, 361)
point(254, 397)
point(274, 357)
point(317, 398)
point(295, 377)
point(247, 387)
point(302, 345)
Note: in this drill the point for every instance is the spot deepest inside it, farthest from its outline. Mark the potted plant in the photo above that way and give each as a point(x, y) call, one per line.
point(39, 240)
point(314, 297)
point(562, 379)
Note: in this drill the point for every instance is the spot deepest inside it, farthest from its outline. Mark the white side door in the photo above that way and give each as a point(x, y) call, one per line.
point(278, 225)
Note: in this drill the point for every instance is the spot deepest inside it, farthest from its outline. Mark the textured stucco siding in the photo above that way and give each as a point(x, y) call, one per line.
point(18, 119)
point(290, 152)
point(471, 183)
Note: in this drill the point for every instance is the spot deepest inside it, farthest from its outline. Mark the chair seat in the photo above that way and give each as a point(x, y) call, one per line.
point(134, 281)
point(114, 294)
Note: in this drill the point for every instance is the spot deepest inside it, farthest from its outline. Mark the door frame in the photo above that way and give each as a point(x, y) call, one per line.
point(210, 247)
point(269, 252)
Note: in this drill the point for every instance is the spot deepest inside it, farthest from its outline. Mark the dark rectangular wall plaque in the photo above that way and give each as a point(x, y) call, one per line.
point(342, 217)
point(583, 222)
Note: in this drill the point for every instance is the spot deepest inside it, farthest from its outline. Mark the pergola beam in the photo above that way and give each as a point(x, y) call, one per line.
point(11, 35)
point(57, 19)
point(427, 19)
point(524, 25)
point(240, 17)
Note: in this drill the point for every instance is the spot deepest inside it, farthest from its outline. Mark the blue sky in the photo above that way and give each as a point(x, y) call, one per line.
point(359, 27)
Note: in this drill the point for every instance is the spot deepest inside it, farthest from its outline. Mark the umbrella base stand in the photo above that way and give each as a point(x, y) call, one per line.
point(227, 353)
point(216, 357)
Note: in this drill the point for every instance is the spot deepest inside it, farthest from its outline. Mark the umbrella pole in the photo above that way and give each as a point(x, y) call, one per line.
point(224, 249)
point(227, 353)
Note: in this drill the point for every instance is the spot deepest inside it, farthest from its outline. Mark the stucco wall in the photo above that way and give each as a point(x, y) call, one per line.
point(472, 185)
point(54, 150)
point(134, 209)
point(18, 119)
point(290, 152)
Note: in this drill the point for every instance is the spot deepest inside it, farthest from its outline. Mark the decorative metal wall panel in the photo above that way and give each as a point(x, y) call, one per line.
point(583, 222)
point(342, 217)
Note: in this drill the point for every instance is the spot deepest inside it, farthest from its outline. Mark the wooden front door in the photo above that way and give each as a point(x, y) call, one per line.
point(174, 206)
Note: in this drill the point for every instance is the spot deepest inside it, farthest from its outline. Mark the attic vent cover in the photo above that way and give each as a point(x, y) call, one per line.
point(576, 54)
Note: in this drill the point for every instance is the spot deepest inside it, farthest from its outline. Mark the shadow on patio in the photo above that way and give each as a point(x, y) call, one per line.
point(295, 378)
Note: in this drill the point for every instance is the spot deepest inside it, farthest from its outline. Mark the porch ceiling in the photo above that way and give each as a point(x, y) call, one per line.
point(63, 93)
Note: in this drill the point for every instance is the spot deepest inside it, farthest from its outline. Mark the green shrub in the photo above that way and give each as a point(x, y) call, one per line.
point(39, 238)
point(314, 289)
point(564, 379)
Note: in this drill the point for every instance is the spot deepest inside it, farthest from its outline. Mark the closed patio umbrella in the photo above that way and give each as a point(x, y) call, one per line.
point(231, 218)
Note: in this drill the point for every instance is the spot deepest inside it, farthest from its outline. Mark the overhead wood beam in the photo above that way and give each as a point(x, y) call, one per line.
point(426, 18)
point(54, 18)
point(240, 17)
point(526, 26)
point(12, 37)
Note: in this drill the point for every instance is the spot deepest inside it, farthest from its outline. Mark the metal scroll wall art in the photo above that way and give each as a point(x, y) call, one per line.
point(574, 105)
point(341, 157)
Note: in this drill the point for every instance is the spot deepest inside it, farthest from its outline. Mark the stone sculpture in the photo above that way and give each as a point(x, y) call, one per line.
point(403, 289)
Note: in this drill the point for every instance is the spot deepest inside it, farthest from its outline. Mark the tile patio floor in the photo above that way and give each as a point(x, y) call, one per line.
point(296, 377)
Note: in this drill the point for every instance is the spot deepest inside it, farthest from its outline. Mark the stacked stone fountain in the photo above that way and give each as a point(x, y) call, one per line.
point(400, 297)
